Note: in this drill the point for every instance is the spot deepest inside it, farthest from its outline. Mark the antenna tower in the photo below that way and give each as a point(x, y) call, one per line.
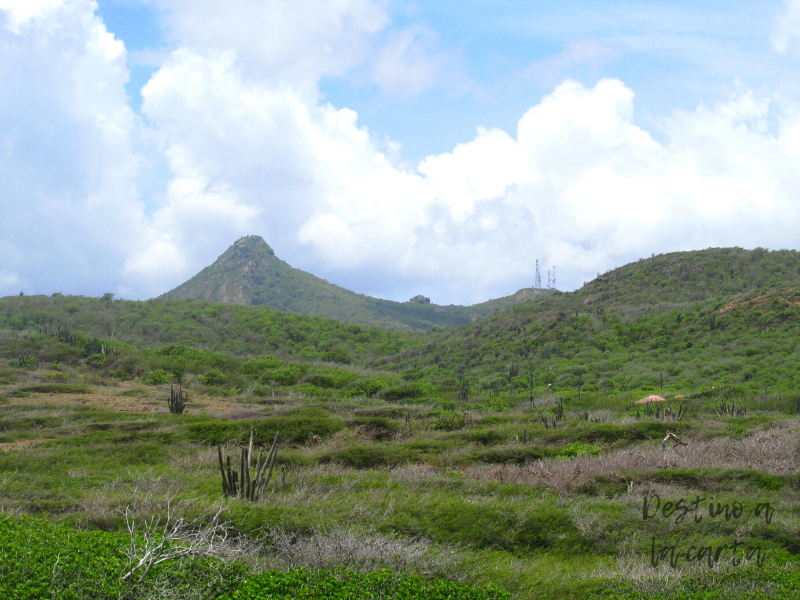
point(554, 277)
point(537, 279)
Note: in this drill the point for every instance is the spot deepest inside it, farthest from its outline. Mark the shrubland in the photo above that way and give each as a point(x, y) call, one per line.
point(510, 452)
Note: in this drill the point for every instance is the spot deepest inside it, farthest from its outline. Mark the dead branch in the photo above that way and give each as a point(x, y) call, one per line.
point(152, 543)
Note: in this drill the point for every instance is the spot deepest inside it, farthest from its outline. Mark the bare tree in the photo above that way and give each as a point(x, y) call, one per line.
point(156, 540)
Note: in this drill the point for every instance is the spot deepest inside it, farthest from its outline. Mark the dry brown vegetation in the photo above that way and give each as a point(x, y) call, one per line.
point(775, 450)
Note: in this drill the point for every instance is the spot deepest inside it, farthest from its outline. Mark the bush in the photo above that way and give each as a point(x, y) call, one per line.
point(122, 375)
point(418, 389)
point(288, 375)
point(574, 449)
point(46, 560)
point(96, 360)
point(295, 428)
point(367, 387)
point(369, 457)
point(213, 377)
point(342, 585)
point(157, 377)
point(215, 433)
point(330, 378)
point(257, 366)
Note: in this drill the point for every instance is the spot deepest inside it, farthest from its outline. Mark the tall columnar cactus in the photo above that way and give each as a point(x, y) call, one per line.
point(177, 401)
point(246, 485)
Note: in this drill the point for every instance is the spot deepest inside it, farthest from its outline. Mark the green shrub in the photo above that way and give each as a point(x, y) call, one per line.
point(330, 378)
point(24, 362)
point(287, 375)
point(574, 449)
point(46, 560)
point(122, 375)
point(213, 377)
point(215, 433)
point(483, 436)
point(96, 360)
point(257, 366)
point(449, 421)
point(337, 356)
point(347, 585)
point(308, 390)
point(418, 389)
point(8, 376)
point(518, 455)
point(295, 428)
point(157, 377)
point(367, 387)
point(368, 457)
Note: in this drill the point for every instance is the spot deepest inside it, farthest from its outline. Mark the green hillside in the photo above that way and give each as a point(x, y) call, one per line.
point(249, 274)
point(680, 277)
point(508, 452)
point(688, 319)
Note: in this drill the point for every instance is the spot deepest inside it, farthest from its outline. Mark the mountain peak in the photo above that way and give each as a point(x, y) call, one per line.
point(249, 273)
point(249, 246)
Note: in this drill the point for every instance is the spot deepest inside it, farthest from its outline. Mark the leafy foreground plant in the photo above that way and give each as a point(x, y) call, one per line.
point(39, 559)
point(179, 559)
point(346, 585)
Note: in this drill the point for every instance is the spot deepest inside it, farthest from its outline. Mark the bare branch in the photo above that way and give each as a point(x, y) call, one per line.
point(152, 544)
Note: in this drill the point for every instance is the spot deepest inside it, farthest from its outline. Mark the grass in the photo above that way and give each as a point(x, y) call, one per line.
point(472, 502)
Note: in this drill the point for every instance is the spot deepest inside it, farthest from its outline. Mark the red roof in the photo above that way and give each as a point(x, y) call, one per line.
point(650, 399)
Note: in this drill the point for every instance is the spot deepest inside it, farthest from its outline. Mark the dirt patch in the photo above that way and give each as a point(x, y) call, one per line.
point(17, 445)
point(195, 405)
point(760, 302)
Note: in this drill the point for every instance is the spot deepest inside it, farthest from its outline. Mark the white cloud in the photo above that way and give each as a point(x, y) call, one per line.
point(9, 281)
point(408, 64)
point(20, 13)
point(235, 112)
point(579, 185)
point(787, 26)
point(280, 43)
point(582, 187)
point(67, 172)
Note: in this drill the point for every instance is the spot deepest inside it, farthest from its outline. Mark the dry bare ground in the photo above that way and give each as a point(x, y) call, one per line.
point(145, 403)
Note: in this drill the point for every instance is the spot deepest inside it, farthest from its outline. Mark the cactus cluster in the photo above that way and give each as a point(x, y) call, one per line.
point(242, 485)
point(558, 411)
point(667, 411)
point(177, 400)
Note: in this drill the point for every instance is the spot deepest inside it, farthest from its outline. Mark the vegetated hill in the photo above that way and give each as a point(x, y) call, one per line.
point(232, 329)
point(689, 276)
point(705, 318)
point(611, 344)
point(248, 273)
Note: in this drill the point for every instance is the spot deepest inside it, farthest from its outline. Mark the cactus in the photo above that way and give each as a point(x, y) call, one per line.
point(177, 401)
point(247, 484)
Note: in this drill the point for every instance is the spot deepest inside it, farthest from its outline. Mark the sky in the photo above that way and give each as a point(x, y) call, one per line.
point(391, 147)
